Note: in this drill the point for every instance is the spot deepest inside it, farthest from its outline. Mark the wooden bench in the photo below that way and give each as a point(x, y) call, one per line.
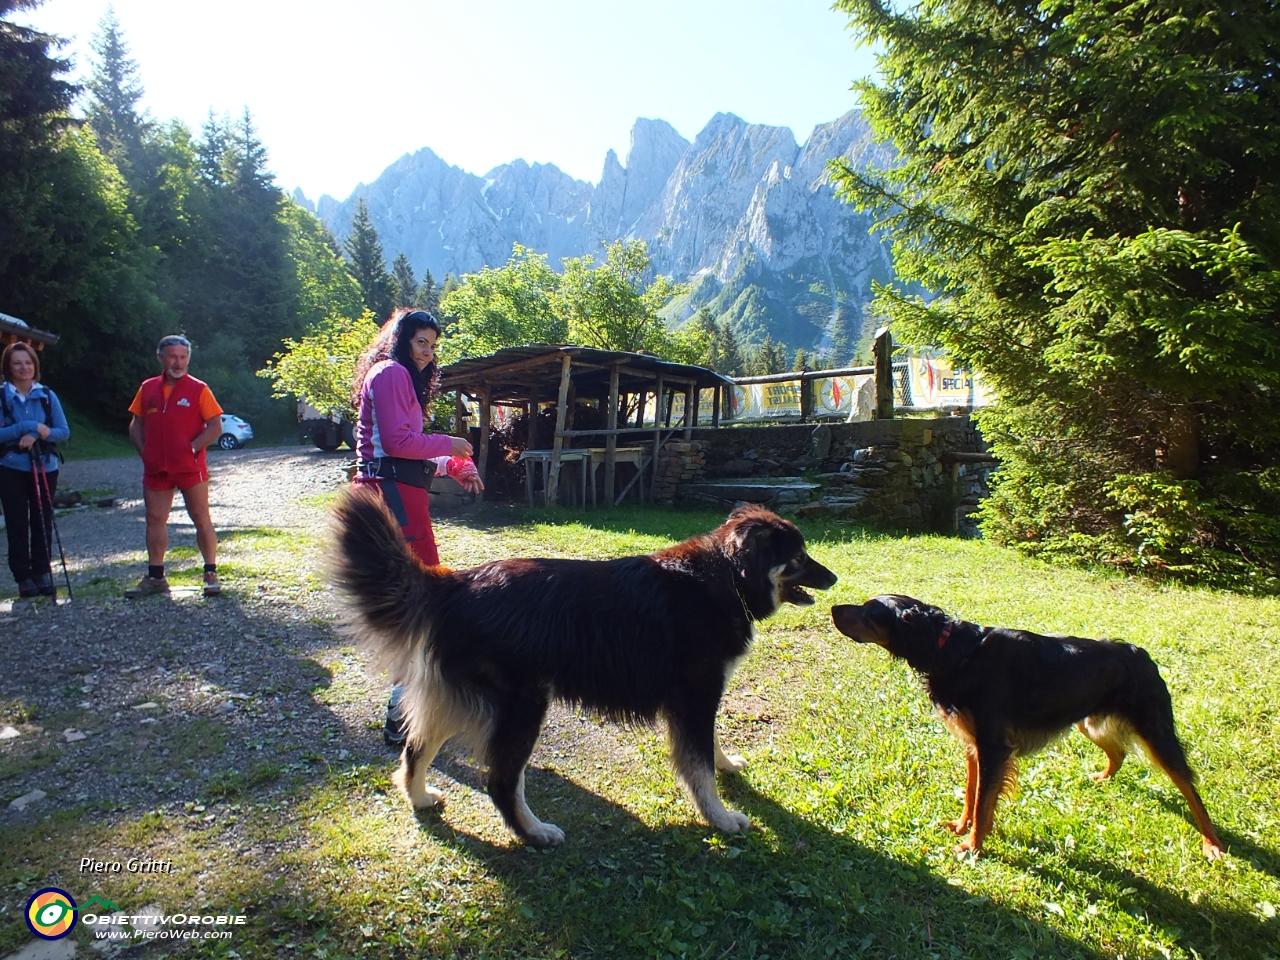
point(542, 458)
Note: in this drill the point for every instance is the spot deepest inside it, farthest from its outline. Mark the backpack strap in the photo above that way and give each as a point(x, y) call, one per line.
point(5, 415)
point(7, 448)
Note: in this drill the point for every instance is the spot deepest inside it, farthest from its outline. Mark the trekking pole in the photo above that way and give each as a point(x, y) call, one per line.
point(45, 498)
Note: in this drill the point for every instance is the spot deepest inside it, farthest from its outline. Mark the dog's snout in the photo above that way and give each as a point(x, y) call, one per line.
point(848, 620)
point(818, 576)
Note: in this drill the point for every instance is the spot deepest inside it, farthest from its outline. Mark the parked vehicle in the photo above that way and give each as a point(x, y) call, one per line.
point(235, 432)
point(326, 432)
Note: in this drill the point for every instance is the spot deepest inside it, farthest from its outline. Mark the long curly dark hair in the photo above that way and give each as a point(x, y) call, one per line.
point(394, 342)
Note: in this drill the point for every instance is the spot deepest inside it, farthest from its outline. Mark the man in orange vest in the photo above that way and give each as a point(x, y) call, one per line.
point(175, 417)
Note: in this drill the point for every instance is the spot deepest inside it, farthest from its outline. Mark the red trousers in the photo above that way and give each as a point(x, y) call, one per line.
point(411, 508)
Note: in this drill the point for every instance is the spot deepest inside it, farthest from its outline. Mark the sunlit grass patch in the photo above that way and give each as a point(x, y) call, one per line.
point(849, 777)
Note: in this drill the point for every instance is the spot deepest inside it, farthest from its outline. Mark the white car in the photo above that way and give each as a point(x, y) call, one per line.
point(235, 433)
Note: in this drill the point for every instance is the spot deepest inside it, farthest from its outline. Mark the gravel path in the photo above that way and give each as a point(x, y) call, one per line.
point(157, 704)
point(178, 691)
point(248, 488)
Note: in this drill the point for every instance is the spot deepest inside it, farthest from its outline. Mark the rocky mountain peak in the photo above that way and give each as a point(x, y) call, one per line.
point(744, 212)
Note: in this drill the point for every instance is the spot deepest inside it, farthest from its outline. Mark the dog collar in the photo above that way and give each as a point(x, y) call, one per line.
point(945, 634)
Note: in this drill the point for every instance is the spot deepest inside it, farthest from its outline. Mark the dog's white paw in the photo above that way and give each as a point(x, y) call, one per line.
point(731, 821)
point(731, 763)
point(545, 835)
point(430, 797)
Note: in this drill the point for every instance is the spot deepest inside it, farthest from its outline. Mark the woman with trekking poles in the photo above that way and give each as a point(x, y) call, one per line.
point(31, 424)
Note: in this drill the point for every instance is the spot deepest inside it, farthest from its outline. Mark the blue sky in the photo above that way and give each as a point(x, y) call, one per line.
point(340, 90)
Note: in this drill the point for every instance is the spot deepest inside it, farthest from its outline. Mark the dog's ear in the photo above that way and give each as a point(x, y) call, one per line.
point(749, 536)
point(744, 509)
point(913, 616)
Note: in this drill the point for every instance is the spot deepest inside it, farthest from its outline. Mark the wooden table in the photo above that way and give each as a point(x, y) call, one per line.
point(543, 458)
point(632, 455)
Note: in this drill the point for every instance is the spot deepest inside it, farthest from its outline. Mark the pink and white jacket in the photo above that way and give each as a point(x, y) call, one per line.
point(391, 422)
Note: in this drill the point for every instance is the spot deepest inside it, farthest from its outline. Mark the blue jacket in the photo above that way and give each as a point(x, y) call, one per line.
point(24, 416)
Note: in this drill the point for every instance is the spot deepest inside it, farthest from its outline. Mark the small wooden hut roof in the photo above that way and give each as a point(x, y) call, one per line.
point(12, 330)
point(514, 374)
point(541, 371)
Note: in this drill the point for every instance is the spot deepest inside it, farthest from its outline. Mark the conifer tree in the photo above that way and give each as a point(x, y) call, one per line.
point(428, 294)
point(732, 363)
point(801, 361)
point(365, 260)
point(406, 283)
point(1092, 191)
point(211, 148)
point(115, 89)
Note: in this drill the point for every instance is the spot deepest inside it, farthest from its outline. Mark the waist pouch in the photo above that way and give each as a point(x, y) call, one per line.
point(414, 473)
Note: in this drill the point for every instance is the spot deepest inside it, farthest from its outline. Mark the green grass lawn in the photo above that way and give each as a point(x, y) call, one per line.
point(849, 778)
point(90, 442)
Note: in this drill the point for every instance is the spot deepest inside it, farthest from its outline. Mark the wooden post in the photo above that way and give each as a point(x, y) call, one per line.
point(611, 443)
point(562, 402)
point(640, 407)
point(806, 398)
point(715, 405)
point(657, 432)
point(460, 416)
point(727, 403)
point(668, 402)
point(690, 410)
point(884, 374)
point(534, 400)
point(482, 458)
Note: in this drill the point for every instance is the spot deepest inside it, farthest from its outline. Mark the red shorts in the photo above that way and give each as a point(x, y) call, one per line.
point(411, 508)
point(169, 481)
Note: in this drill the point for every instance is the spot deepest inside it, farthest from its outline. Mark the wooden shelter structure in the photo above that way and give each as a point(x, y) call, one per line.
point(13, 330)
point(528, 376)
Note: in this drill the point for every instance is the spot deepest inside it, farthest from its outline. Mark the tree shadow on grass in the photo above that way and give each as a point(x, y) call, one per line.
point(1264, 859)
point(1200, 929)
point(620, 888)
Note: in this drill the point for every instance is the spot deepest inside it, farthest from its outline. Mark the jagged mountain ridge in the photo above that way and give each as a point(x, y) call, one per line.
point(744, 213)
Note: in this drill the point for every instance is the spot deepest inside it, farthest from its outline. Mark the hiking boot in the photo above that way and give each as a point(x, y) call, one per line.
point(393, 733)
point(148, 587)
point(44, 584)
point(28, 588)
point(212, 588)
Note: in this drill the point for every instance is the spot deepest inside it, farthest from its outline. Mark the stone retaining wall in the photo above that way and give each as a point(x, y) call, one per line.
point(885, 472)
point(680, 462)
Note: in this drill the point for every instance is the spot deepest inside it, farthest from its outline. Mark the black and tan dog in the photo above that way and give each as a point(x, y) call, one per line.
point(1006, 693)
point(483, 652)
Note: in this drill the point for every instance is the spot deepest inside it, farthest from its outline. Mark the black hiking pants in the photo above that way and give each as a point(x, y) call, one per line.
point(28, 528)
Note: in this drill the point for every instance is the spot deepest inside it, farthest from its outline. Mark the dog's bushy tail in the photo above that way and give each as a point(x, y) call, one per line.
point(389, 593)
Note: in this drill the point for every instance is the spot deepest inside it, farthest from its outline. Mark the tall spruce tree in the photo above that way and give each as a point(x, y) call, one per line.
point(114, 92)
point(365, 260)
point(428, 294)
point(1091, 189)
point(211, 148)
point(34, 99)
point(69, 257)
point(732, 362)
point(406, 282)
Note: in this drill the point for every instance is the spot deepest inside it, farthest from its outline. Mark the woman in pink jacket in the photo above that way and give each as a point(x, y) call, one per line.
point(395, 380)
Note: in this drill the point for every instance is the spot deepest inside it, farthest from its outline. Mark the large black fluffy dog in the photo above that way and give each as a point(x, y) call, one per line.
point(1009, 692)
point(483, 652)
